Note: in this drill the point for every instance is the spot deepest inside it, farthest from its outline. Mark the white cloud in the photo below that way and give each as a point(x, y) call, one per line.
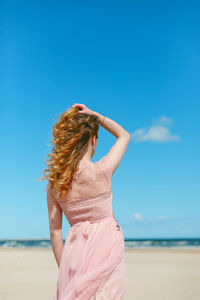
point(155, 133)
point(137, 216)
point(163, 120)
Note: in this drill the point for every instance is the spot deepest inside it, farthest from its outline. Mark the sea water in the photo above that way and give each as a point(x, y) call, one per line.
point(129, 243)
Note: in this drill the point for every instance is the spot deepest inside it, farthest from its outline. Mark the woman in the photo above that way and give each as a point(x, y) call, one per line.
point(91, 262)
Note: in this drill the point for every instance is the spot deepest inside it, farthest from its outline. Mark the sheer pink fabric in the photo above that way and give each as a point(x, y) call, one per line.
point(92, 264)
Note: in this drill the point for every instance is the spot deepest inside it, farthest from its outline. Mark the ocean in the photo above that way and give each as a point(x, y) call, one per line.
point(129, 243)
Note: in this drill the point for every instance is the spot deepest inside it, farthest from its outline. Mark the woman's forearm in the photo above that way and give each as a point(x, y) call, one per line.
point(57, 247)
point(110, 125)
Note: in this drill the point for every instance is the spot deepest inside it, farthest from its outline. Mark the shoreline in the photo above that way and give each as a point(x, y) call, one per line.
point(134, 249)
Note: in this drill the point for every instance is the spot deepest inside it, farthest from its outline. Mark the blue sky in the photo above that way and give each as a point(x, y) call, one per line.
point(136, 62)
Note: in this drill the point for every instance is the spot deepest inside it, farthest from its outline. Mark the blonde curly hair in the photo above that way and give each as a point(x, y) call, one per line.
point(71, 134)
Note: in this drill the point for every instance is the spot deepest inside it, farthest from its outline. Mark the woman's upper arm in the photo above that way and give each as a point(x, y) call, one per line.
point(54, 212)
point(111, 160)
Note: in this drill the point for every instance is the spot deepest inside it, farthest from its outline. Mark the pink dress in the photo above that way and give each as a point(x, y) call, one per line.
point(92, 264)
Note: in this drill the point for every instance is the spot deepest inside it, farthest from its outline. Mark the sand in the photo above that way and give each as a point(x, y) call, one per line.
point(151, 274)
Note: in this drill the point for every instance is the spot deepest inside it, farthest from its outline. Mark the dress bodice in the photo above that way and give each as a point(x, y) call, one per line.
point(90, 196)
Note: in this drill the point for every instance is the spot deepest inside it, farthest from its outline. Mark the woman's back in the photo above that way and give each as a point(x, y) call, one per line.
point(90, 196)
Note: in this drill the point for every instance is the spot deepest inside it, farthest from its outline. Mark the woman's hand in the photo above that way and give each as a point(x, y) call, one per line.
point(83, 109)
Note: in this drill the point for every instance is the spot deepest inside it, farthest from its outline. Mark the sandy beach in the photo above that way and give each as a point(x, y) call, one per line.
point(151, 274)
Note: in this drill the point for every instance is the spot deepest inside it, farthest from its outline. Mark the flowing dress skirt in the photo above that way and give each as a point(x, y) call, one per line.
point(92, 263)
